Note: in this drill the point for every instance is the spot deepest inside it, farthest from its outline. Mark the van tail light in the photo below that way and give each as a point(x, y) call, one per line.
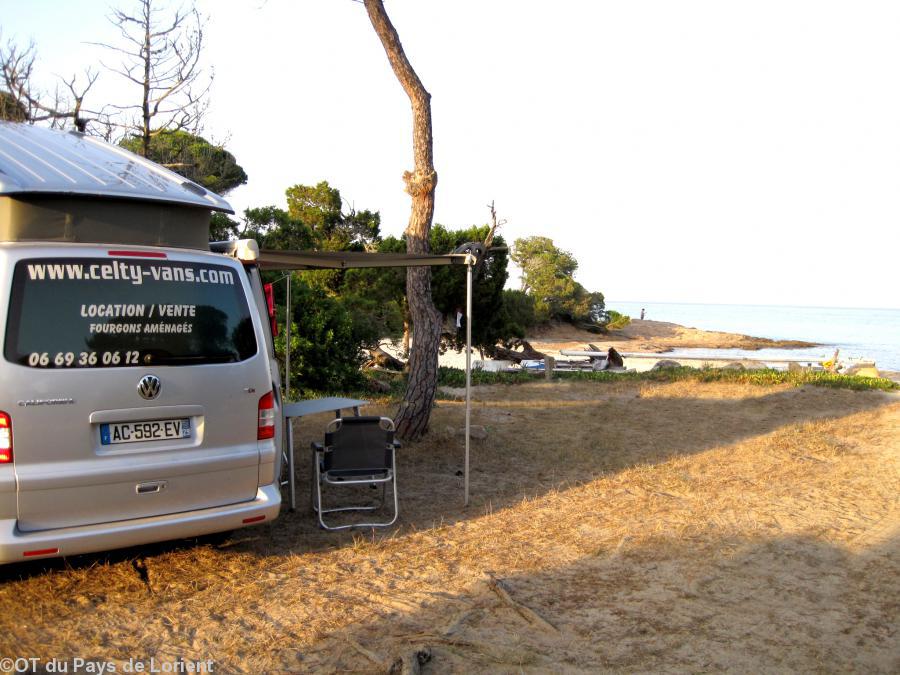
point(270, 304)
point(266, 426)
point(5, 438)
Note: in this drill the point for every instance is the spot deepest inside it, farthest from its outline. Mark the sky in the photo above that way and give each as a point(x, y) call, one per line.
point(708, 151)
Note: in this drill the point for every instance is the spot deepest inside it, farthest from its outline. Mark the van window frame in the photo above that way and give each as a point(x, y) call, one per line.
point(227, 318)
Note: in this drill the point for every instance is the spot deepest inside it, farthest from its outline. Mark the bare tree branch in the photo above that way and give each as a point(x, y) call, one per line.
point(22, 102)
point(162, 56)
point(489, 239)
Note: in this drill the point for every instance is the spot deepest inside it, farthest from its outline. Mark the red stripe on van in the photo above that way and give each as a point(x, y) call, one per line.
point(254, 519)
point(137, 254)
point(41, 551)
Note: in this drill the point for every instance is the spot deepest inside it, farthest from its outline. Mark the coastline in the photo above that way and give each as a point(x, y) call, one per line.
point(657, 337)
point(645, 339)
point(649, 341)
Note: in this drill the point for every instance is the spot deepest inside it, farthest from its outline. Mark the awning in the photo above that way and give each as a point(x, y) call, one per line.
point(315, 260)
point(469, 254)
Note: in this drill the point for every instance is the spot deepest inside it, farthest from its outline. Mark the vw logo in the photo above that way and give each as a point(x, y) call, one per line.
point(149, 387)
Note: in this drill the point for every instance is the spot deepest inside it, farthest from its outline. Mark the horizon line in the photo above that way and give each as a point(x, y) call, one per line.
point(607, 302)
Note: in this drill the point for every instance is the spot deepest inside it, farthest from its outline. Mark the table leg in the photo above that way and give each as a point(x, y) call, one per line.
point(292, 488)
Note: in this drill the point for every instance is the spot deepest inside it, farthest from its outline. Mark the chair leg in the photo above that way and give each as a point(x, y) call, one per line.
point(318, 486)
point(320, 511)
point(394, 485)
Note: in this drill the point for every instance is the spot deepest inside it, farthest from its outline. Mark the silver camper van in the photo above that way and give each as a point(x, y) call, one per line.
point(139, 396)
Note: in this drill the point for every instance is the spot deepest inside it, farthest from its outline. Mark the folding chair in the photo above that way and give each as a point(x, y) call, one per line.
point(357, 451)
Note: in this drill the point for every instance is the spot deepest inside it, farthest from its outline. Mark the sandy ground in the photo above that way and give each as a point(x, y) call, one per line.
point(621, 527)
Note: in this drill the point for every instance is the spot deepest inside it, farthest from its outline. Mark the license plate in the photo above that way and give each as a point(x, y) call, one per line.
point(136, 432)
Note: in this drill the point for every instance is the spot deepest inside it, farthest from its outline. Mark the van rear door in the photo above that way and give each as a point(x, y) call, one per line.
point(134, 380)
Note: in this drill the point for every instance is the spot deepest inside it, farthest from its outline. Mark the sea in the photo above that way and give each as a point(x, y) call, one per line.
point(858, 333)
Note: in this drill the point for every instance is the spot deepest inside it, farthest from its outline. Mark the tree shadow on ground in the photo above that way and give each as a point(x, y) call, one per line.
point(793, 604)
point(536, 444)
point(631, 574)
point(536, 447)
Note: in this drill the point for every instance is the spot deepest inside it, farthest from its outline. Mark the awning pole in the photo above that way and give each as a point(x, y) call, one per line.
point(469, 265)
point(289, 421)
point(287, 341)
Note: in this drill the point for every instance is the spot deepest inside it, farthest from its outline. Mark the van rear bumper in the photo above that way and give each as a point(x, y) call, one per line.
point(17, 546)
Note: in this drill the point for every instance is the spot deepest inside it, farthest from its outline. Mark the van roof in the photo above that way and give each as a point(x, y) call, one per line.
point(37, 160)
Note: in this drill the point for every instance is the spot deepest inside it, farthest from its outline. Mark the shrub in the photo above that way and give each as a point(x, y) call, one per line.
point(617, 320)
point(325, 347)
point(455, 377)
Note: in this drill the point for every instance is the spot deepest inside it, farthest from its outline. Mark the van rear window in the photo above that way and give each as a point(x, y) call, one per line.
point(109, 313)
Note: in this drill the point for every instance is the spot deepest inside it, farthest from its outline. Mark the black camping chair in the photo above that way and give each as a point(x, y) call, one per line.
point(357, 451)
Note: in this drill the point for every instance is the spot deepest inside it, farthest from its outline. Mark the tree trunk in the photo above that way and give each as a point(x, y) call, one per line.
point(145, 102)
point(415, 409)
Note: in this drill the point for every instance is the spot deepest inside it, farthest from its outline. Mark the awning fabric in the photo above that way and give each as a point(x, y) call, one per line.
point(314, 260)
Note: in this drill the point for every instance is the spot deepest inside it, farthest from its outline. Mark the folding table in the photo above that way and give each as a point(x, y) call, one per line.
point(300, 409)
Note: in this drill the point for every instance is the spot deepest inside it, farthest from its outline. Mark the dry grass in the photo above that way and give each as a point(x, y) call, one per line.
point(674, 527)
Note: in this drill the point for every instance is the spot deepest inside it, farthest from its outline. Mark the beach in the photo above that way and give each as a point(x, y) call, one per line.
point(859, 333)
point(645, 343)
point(649, 342)
point(656, 337)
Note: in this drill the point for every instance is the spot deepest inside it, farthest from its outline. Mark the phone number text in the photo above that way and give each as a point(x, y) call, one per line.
point(82, 359)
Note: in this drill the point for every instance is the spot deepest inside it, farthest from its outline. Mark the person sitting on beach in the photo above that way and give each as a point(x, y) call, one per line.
point(614, 359)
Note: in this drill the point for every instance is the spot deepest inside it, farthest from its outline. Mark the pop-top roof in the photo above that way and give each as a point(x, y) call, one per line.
point(36, 160)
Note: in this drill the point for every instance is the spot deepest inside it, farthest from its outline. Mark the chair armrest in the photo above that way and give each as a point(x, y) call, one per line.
point(318, 447)
point(397, 445)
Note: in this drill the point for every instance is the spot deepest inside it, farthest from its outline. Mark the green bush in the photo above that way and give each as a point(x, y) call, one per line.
point(455, 377)
point(520, 314)
point(325, 348)
point(617, 320)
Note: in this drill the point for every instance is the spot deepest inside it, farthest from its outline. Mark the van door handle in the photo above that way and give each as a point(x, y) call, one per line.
point(151, 487)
